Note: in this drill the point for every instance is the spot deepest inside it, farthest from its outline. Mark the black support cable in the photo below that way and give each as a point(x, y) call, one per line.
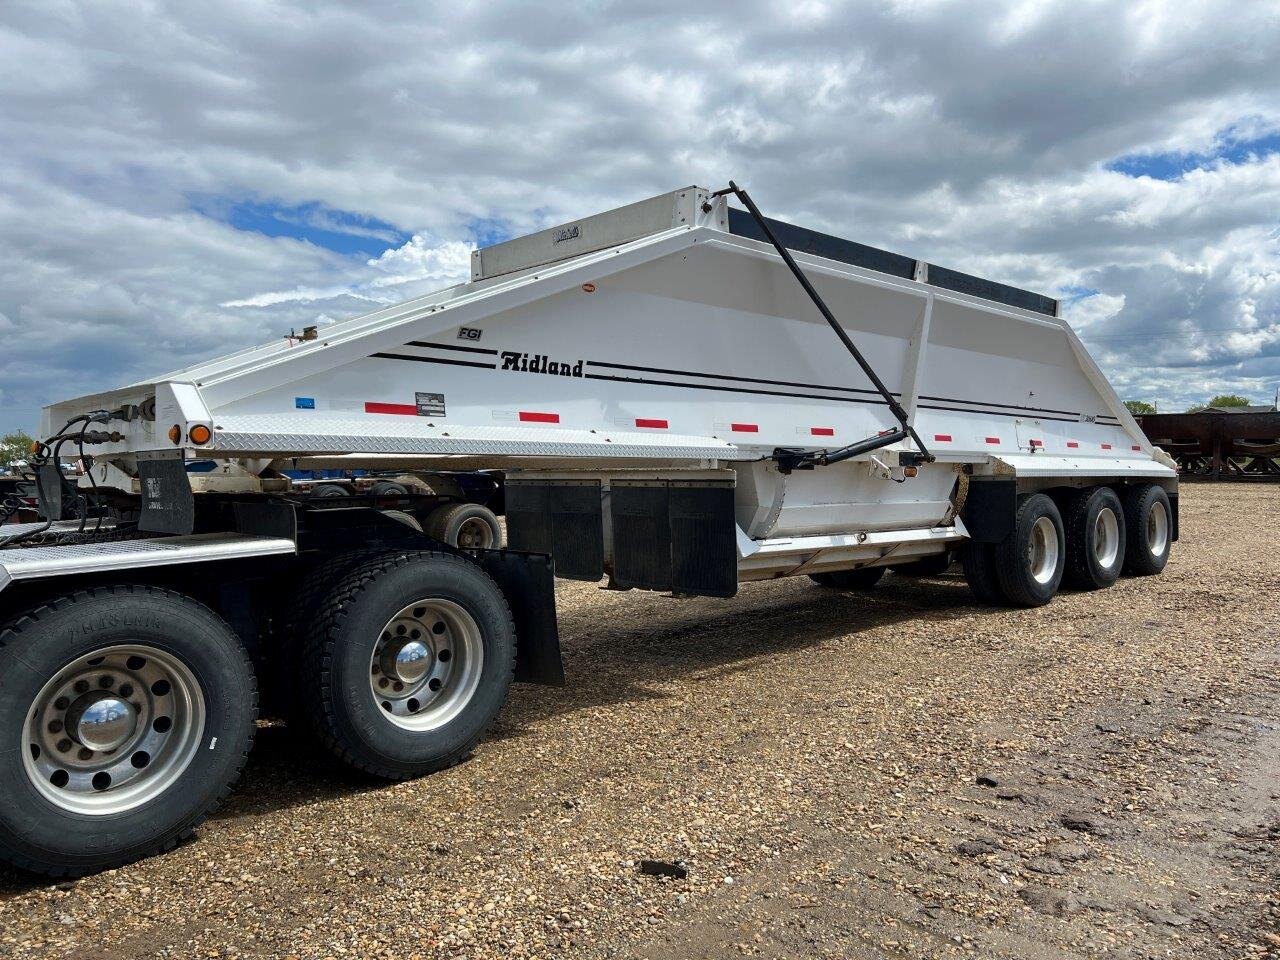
point(794, 459)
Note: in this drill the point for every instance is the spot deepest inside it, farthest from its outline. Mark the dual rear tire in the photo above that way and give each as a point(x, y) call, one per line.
point(131, 709)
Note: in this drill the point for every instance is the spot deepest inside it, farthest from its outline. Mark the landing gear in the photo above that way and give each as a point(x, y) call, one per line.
point(405, 663)
point(134, 707)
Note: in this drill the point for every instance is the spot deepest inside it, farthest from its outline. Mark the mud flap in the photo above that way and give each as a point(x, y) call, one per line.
point(561, 518)
point(674, 535)
point(168, 505)
point(527, 581)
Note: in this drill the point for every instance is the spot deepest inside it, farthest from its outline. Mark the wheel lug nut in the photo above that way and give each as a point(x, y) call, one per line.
point(106, 682)
point(82, 686)
point(61, 703)
point(85, 753)
point(64, 745)
point(126, 690)
point(55, 726)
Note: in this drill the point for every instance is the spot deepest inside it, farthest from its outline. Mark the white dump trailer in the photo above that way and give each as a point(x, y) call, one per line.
point(677, 395)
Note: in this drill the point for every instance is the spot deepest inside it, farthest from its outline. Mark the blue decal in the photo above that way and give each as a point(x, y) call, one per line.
point(304, 403)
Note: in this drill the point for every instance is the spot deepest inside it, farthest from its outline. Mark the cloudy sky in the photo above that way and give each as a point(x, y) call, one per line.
point(178, 180)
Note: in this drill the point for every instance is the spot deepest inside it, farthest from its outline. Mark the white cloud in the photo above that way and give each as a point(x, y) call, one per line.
point(974, 139)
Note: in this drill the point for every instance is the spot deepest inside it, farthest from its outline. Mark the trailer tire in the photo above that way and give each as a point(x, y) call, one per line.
point(1030, 561)
point(1095, 529)
point(1148, 530)
point(162, 691)
point(979, 563)
point(934, 565)
point(396, 708)
point(293, 619)
point(388, 488)
point(467, 526)
point(864, 578)
point(326, 491)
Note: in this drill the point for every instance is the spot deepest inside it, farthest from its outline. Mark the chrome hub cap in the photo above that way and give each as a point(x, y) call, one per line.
point(1157, 529)
point(406, 663)
point(102, 723)
point(1106, 538)
point(475, 534)
point(1044, 550)
point(113, 729)
point(426, 664)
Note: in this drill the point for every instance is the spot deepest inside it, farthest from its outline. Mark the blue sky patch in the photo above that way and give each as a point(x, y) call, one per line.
point(1228, 147)
point(341, 231)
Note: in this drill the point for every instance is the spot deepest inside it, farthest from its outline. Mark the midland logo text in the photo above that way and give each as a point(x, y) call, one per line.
point(539, 363)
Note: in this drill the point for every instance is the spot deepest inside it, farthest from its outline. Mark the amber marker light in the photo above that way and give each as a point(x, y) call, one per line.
point(175, 434)
point(200, 435)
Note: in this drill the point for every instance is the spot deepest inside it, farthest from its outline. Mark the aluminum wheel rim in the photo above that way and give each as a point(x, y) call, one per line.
point(1157, 529)
point(1044, 550)
point(475, 534)
point(113, 730)
point(426, 664)
point(1106, 538)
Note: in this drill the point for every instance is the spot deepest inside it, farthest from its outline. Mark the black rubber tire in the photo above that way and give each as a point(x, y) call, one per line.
point(291, 623)
point(388, 488)
point(934, 565)
point(979, 563)
point(326, 491)
point(446, 521)
point(1139, 559)
point(1083, 571)
point(1013, 554)
point(864, 578)
point(38, 837)
point(340, 640)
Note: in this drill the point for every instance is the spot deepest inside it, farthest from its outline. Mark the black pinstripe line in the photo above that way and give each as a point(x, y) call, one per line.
point(453, 363)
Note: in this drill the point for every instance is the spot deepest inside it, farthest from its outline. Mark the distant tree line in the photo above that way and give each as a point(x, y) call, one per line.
point(1221, 400)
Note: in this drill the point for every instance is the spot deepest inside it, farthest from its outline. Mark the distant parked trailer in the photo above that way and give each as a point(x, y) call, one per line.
point(1219, 444)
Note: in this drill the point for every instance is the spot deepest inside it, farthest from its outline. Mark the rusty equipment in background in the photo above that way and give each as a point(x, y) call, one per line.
point(1219, 444)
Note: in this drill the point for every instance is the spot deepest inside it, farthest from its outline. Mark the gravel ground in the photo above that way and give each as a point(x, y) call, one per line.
point(900, 774)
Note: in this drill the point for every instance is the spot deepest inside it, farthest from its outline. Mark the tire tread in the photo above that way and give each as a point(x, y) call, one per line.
point(11, 635)
point(318, 655)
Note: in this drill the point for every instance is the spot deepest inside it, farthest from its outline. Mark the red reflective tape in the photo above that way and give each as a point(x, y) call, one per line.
point(407, 409)
point(1106, 446)
point(942, 437)
point(655, 424)
point(884, 433)
point(822, 431)
point(527, 416)
point(1072, 444)
point(1135, 447)
point(1037, 443)
point(993, 439)
point(745, 427)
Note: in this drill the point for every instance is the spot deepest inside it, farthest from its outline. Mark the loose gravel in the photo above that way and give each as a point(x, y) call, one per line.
point(807, 773)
